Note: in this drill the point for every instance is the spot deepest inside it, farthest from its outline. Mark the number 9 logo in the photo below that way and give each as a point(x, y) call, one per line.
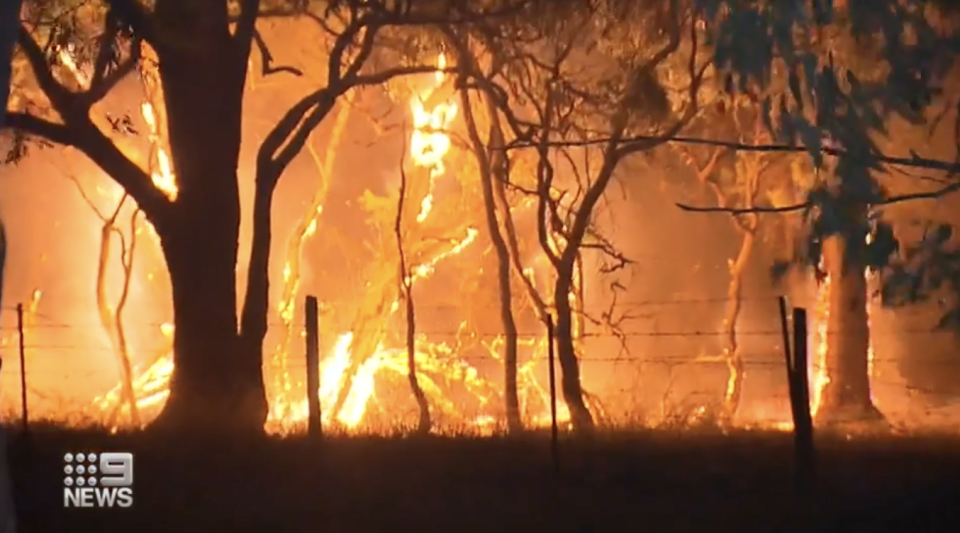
point(116, 469)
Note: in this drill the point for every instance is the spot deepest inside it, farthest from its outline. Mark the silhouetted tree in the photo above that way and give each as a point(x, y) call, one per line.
point(582, 76)
point(203, 51)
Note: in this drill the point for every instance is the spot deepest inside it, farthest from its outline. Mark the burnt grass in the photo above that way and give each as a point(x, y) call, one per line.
point(658, 481)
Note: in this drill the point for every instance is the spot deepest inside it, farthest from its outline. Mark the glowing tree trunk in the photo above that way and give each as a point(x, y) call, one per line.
point(846, 396)
point(732, 356)
point(127, 253)
point(748, 168)
point(111, 316)
point(487, 160)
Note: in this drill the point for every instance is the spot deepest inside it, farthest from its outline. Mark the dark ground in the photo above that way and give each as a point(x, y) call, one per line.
point(658, 482)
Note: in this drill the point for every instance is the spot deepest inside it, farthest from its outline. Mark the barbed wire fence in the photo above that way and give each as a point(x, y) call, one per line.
point(57, 354)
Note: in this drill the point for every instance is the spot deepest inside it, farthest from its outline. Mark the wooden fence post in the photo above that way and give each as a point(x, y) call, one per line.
point(800, 403)
point(803, 448)
point(311, 317)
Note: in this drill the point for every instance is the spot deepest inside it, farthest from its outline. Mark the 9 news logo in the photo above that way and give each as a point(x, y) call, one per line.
point(97, 481)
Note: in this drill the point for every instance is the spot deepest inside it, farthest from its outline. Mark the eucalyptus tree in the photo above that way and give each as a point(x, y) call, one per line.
point(828, 78)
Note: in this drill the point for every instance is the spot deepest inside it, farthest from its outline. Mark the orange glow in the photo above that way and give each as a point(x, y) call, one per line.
point(818, 373)
point(817, 365)
point(429, 144)
point(345, 371)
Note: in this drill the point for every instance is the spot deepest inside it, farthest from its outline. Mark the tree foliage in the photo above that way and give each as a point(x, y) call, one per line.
point(830, 77)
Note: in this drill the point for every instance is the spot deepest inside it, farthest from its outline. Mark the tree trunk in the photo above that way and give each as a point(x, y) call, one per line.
point(217, 382)
point(734, 360)
point(253, 318)
point(111, 316)
point(580, 416)
point(846, 396)
point(424, 422)
point(405, 277)
point(510, 396)
point(492, 161)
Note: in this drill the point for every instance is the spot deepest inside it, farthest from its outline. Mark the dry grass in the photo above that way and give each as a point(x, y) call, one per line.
point(646, 481)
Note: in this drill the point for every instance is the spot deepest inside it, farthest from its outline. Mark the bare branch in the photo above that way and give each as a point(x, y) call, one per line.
point(915, 161)
point(928, 195)
point(57, 133)
point(86, 137)
point(290, 134)
point(87, 200)
point(134, 180)
point(266, 58)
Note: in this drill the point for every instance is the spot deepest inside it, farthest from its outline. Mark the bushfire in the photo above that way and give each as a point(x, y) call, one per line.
point(363, 361)
point(351, 371)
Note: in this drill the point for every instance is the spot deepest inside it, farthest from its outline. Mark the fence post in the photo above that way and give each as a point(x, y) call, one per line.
point(800, 404)
point(554, 429)
point(311, 316)
point(23, 371)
